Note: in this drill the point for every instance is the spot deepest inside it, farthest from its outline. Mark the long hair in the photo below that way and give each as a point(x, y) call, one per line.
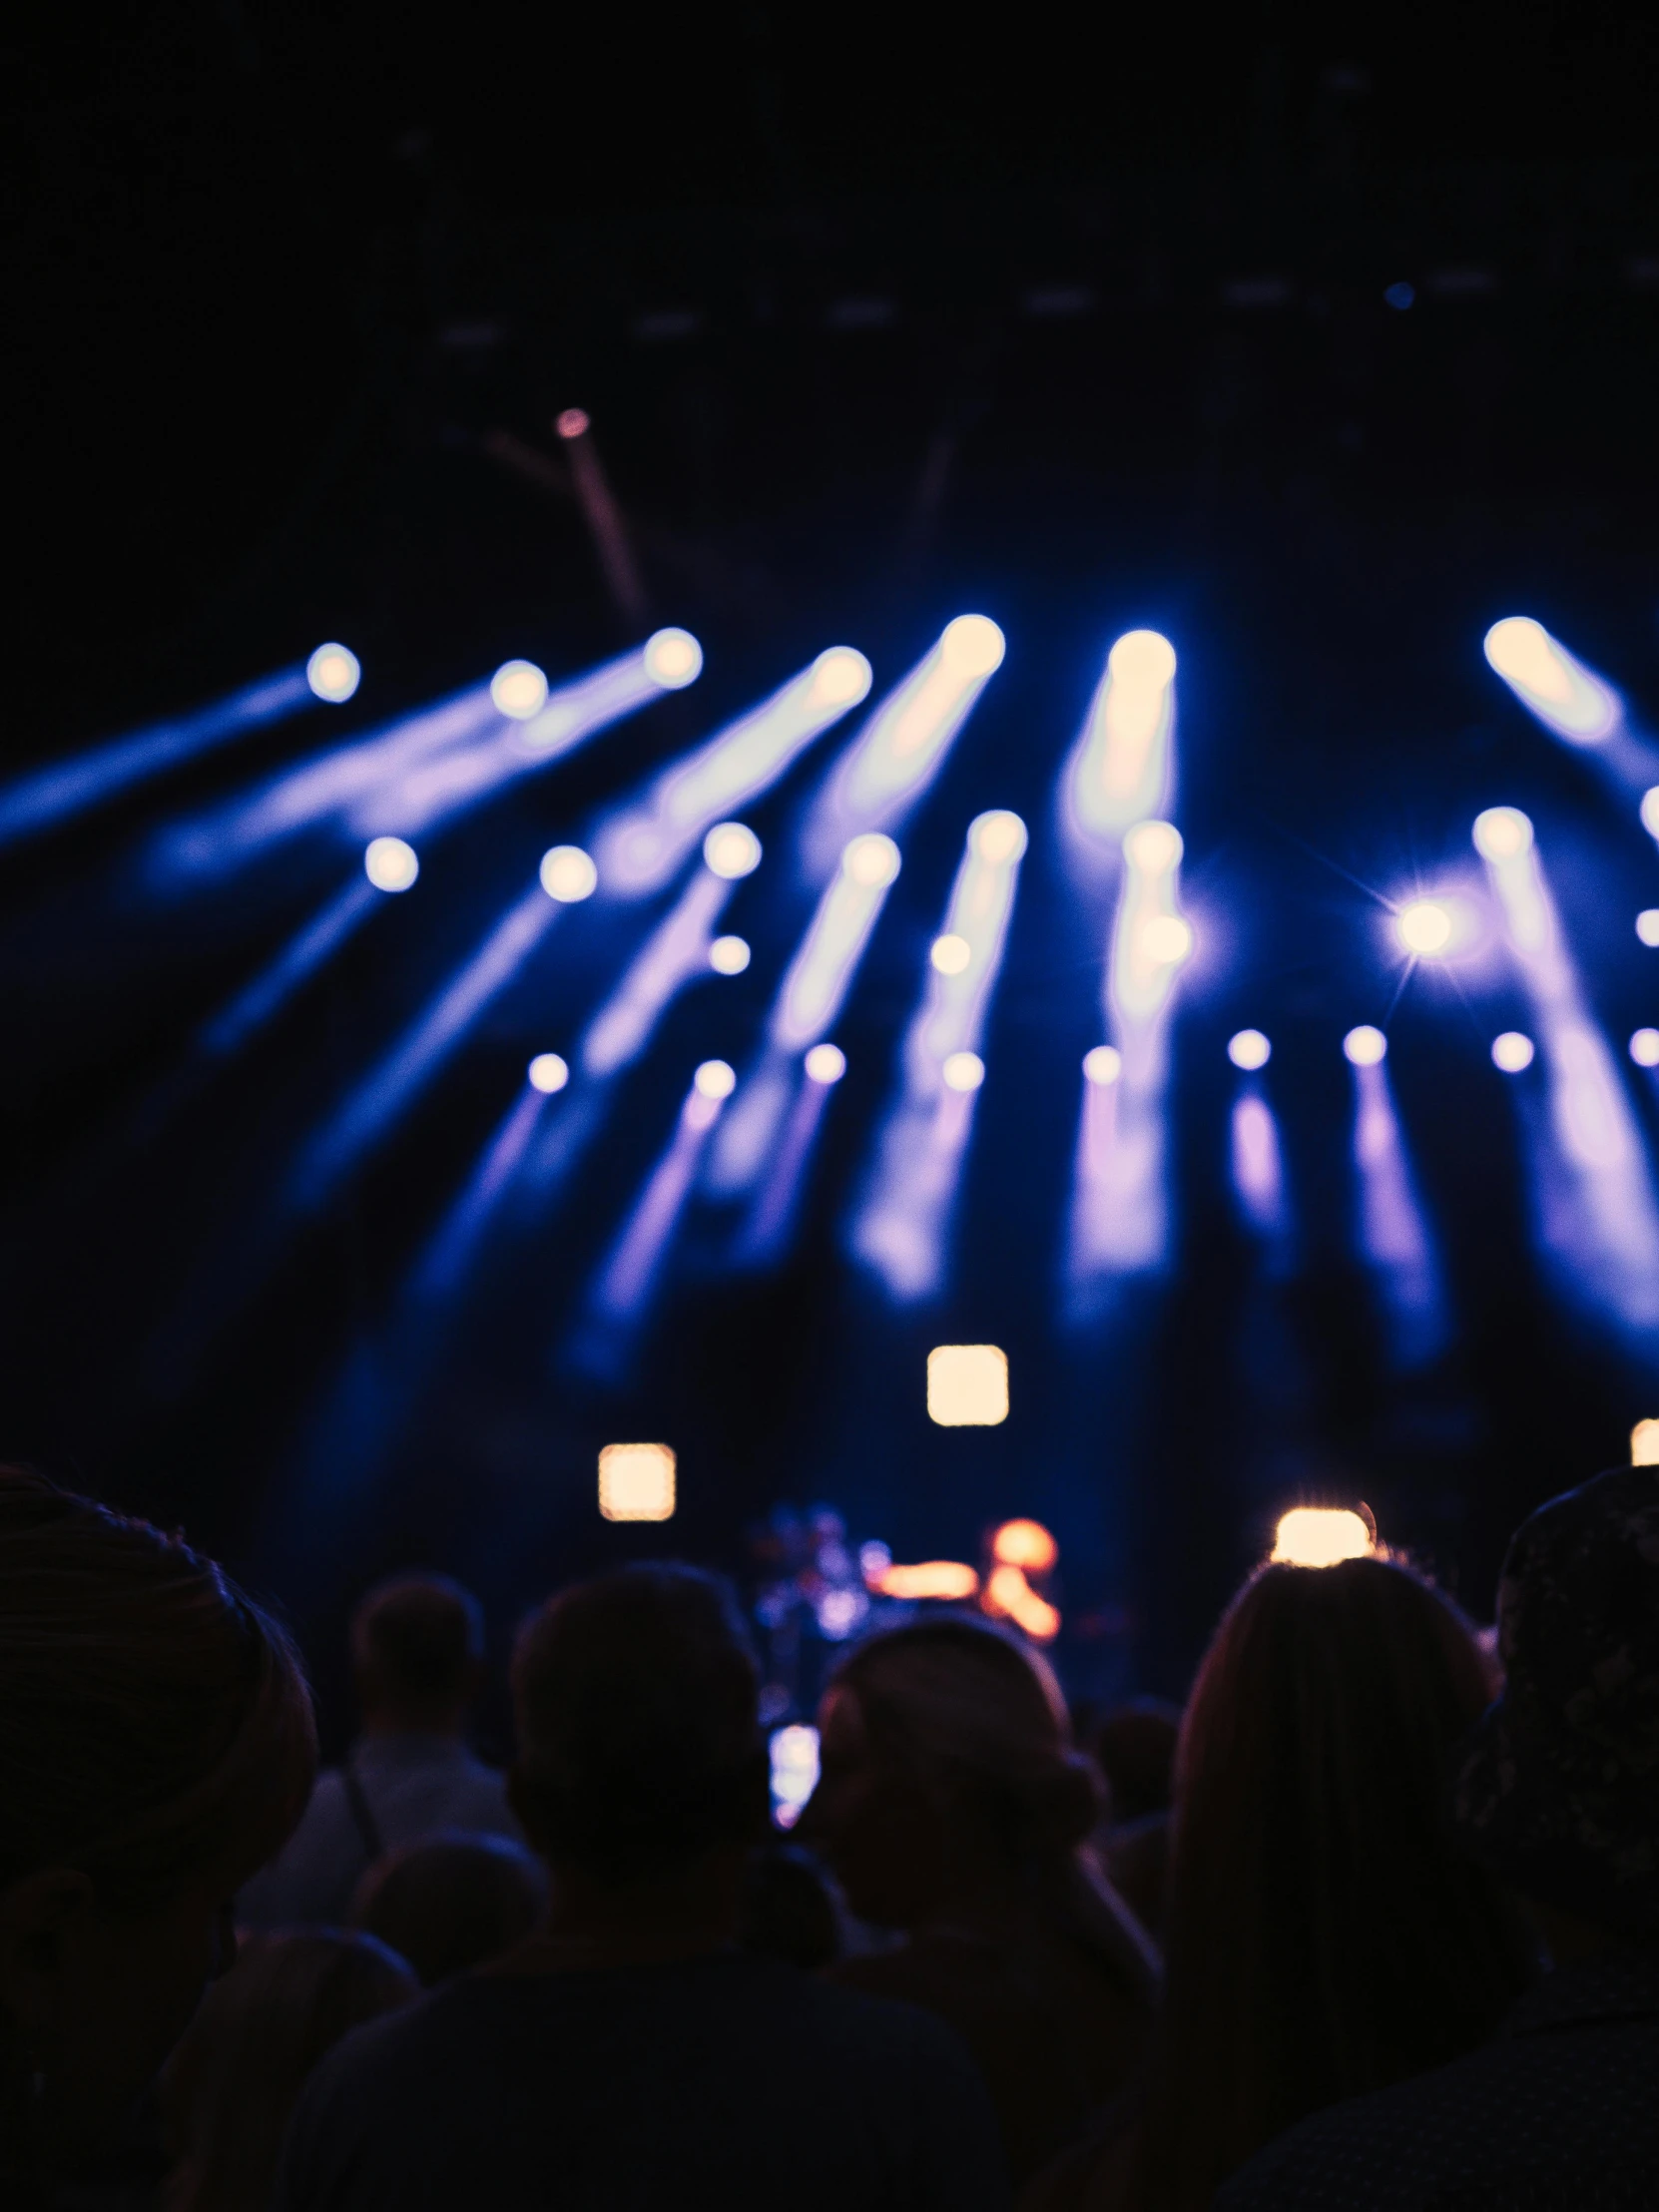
point(1324, 1934)
point(977, 1719)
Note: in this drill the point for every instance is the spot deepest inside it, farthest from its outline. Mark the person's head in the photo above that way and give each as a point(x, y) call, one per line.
point(1559, 1788)
point(1324, 1934)
point(156, 1746)
point(417, 1654)
point(639, 1748)
point(451, 1901)
point(1134, 1746)
point(234, 2081)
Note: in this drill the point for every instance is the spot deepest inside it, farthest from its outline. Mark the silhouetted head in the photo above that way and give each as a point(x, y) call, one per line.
point(639, 1750)
point(452, 1902)
point(418, 1651)
point(156, 1747)
point(234, 2079)
point(1134, 1746)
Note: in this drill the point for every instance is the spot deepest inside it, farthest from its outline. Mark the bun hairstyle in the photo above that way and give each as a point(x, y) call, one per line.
point(156, 1730)
point(977, 1719)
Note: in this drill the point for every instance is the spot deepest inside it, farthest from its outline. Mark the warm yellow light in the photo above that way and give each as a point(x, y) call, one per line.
point(1644, 1445)
point(967, 1386)
point(1025, 1543)
point(1321, 1536)
point(635, 1483)
point(930, 1578)
point(1009, 1594)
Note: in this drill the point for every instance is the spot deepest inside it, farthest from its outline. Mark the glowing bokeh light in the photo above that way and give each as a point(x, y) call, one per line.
point(1424, 927)
point(1547, 678)
point(972, 644)
point(1502, 834)
point(967, 1386)
point(1320, 1536)
point(1102, 1065)
point(951, 954)
point(1650, 811)
point(729, 955)
point(391, 865)
point(1365, 1046)
point(635, 1483)
point(673, 659)
point(872, 860)
point(1167, 938)
point(943, 1578)
point(548, 1073)
point(793, 1759)
point(1009, 1594)
point(1024, 1544)
point(1513, 1051)
point(1249, 1049)
point(998, 837)
point(1644, 1445)
point(520, 690)
point(716, 1079)
point(825, 1064)
point(963, 1071)
point(573, 422)
point(1154, 847)
point(1647, 925)
point(841, 675)
point(568, 875)
point(1644, 1048)
point(334, 672)
point(731, 850)
point(1122, 760)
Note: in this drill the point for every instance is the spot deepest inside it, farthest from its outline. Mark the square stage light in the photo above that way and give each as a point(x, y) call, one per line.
point(635, 1483)
point(967, 1386)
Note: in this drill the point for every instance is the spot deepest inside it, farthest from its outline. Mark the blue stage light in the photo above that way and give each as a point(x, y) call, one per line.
point(731, 850)
point(1365, 1046)
point(1102, 1065)
point(729, 955)
point(1513, 1051)
point(1248, 1048)
point(1644, 1048)
point(548, 1073)
point(1121, 765)
point(825, 1064)
point(1564, 695)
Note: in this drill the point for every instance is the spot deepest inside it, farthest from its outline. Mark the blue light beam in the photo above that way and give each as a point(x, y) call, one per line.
point(1391, 1228)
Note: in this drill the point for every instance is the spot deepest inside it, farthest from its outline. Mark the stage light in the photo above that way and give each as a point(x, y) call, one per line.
point(941, 1578)
point(731, 850)
point(963, 1071)
point(1102, 1065)
point(1025, 1543)
point(1513, 1051)
point(872, 860)
point(1249, 1049)
point(825, 1064)
point(573, 422)
point(635, 1483)
point(1650, 811)
point(1647, 925)
point(1258, 1166)
point(1365, 1046)
point(998, 837)
point(568, 875)
point(1644, 1445)
point(1121, 761)
point(1644, 1048)
point(716, 1079)
point(841, 677)
point(967, 1386)
point(812, 991)
point(1167, 939)
point(548, 1073)
point(1009, 1594)
point(1424, 927)
point(333, 672)
point(951, 954)
point(1154, 847)
point(391, 865)
point(972, 644)
point(520, 690)
point(729, 955)
point(1320, 1536)
point(1144, 660)
point(793, 1756)
point(673, 659)
point(1547, 678)
point(1502, 834)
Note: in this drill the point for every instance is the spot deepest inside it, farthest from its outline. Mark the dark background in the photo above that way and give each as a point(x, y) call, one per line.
point(1079, 322)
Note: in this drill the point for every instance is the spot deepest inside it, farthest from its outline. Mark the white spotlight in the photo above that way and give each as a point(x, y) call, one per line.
point(568, 875)
point(841, 677)
point(1249, 1049)
point(1423, 926)
point(1167, 938)
point(391, 865)
point(333, 672)
point(673, 659)
point(1102, 1065)
point(1647, 925)
point(1320, 1536)
point(825, 1064)
point(1501, 834)
point(967, 1386)
point(1143, 658)
point(1644, 1048)
point(998, 837)
point(520, 690)
point(1365, 1046)
point(872, 860)
point(1650, 811)
point(729, 955)
point(1547, 678)
point(951, 954)
point(731, 849)
point(1513, 1051)
point(972, 644)
point(966, 1071)
point(548, 1073)
point(1152, 847)
point(716, 1079)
